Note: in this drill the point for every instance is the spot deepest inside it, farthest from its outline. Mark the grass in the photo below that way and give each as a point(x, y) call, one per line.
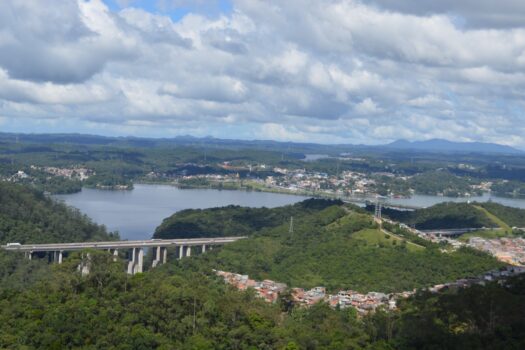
point(505, 231)
point(377, 237)
point(489, 234)
point(495, 219)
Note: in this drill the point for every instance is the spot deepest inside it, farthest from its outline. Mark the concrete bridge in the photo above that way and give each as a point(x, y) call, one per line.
point(135, 249)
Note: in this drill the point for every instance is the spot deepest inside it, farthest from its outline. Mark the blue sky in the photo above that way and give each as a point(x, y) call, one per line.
point(328, 71)
point(210, 8)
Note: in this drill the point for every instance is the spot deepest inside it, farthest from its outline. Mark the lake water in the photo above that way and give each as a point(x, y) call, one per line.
point(136, 214)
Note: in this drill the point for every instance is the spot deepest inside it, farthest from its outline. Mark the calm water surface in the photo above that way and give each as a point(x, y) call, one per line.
point(136, 214)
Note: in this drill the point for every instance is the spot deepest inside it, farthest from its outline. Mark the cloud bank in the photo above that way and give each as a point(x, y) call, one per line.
point(326, 70)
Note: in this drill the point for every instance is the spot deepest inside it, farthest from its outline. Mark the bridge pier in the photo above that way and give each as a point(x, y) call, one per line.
point(115, 255)
point(140, 261)
point(188, 250)
point(204, 248)
point(60, 256)
point(161, 256)
point(181, 252)
point(137, 261)
point(85, 265)
point(131, 263)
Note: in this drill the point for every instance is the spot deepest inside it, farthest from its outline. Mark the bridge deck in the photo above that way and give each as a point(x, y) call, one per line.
point(120, 244)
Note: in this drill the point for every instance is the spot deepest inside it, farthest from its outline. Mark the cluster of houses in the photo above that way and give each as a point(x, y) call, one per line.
point(270, 290)
point(364, 303)
point(79, 173)
point(345, 184)
point(267, 289)
point(496, 275)
point(508, 250)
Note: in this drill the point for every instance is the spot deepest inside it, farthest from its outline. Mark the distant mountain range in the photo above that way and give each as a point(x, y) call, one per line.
point(434, 145)
point(439, 145)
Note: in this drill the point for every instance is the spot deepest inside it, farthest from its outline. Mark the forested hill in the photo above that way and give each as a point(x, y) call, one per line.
point(28, 216)
point(514, 217)
point(334, 245)
point(235, 220)
point(458, 215)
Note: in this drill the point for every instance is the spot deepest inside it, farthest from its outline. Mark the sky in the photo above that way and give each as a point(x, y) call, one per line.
point(326, 71)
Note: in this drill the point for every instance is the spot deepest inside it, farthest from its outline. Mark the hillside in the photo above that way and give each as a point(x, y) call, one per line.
point(339, 247)
point(441, 216)
point(27, 216)
point(460, 215)
point(234, 220)
point(439, 145)
point(513, 217)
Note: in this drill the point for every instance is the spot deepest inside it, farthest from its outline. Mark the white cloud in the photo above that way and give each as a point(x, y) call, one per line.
point(325, 70)
point(367, 106)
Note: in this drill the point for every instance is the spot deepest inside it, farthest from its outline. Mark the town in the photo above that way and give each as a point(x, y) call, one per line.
point(338, 184)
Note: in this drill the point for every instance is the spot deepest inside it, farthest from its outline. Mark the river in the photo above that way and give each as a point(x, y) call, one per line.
point(136, 214)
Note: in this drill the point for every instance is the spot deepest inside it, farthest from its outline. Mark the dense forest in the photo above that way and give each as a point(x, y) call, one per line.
point(28, 216)
point(234, 220)
point(179, 306)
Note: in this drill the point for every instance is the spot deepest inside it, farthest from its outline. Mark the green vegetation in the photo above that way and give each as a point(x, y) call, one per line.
point(502, 224)
point(488, 234)
point(183, 305)
point(331, 245)
point(513, 217)
point(119, 162)
point(234, 220)
point(489, 317)
point(179, 306)
point(509, 188)
point(27, 216)
point(503, 219)
point(442, 182)
point(442, 216)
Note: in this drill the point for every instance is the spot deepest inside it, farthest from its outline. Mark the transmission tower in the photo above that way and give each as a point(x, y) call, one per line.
point(378, 209)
